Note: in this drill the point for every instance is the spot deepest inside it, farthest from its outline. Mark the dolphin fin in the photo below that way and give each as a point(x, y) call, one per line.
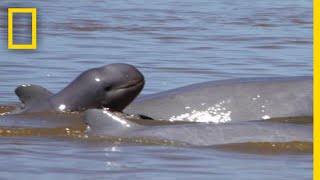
point(105, 122)
point(30, 93)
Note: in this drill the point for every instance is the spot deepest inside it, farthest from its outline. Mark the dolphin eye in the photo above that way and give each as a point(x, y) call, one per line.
point(107, 88)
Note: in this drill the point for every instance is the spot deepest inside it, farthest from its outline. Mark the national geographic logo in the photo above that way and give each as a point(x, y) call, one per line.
point(11, 13)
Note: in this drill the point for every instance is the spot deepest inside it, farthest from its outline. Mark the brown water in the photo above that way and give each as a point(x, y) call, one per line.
point(173, 43)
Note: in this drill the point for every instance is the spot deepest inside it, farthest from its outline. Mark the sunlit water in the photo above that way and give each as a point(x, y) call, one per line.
point(173, 43)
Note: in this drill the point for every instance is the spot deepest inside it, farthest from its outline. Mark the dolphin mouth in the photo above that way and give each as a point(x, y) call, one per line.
point(132, 84)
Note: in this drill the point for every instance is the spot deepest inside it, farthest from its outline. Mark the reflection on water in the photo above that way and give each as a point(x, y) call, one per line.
point(270, 148)
point(173, 43)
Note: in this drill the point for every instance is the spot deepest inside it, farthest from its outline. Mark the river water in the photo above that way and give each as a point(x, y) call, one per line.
point(173, 43)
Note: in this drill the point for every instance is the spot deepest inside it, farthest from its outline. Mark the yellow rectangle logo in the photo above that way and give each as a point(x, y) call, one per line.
point(33, 44)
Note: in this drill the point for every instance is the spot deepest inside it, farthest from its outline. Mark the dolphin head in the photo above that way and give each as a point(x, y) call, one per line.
point(120, 84)
point(112, 86)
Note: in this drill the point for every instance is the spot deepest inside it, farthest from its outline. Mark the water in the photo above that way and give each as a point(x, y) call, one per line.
point(173, 43)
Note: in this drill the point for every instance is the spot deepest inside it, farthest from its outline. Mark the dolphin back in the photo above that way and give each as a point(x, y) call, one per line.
point(230, 100)
point(104, 123)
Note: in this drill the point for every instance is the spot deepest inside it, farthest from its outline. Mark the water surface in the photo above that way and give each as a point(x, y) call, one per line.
point(173, 43)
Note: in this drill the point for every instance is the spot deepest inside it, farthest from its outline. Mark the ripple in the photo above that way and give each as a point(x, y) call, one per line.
point(270, 148)
point(174, 44)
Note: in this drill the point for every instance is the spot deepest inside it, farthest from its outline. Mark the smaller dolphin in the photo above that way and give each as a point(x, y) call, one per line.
point(113, 86)
point(109, 124)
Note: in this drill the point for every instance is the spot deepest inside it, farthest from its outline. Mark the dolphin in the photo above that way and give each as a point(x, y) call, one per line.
point(113, 86)
point(214, 101)
point(104, 123)
point(229, 100)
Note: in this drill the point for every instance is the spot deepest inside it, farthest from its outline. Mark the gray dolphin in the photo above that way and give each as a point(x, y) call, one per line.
point(225, 100)
point(113, 86)
point(229, 100)
point(106, 123)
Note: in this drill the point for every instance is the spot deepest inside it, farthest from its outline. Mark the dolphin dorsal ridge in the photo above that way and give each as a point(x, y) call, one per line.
point(30, 93)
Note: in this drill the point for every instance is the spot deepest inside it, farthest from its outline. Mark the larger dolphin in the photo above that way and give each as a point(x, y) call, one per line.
point(225, 100)
point(105, 123)
point(214, 101)
point(230, 100)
